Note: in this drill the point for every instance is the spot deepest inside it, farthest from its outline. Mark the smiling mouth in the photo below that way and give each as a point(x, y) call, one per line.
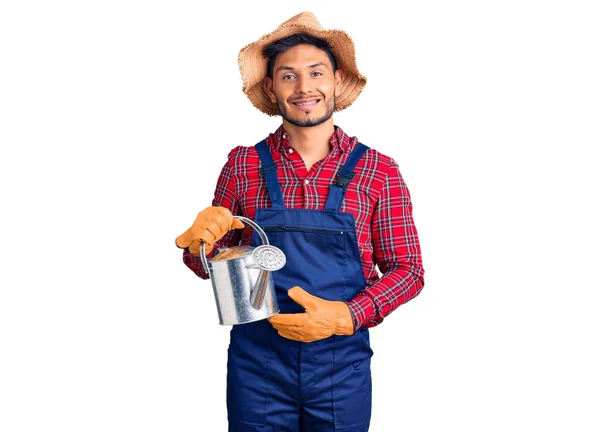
point(306, 105)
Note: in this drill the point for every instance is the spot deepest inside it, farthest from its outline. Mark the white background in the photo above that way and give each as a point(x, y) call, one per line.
point(116, 118)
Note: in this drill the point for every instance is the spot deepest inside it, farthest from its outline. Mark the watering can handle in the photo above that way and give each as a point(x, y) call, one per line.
point(250, 222)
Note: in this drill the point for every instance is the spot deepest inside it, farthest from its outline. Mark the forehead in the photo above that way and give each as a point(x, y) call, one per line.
point(301, 56)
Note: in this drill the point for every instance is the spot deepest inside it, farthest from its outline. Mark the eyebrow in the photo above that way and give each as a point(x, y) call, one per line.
point(291, 68)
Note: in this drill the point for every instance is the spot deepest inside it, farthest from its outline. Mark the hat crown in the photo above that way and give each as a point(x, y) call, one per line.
point(306, 19)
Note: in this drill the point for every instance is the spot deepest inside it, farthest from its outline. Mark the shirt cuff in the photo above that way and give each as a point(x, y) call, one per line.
point(362, 310)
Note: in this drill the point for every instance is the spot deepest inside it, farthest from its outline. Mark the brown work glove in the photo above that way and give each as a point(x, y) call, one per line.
point(322, 318)
point(210, 225)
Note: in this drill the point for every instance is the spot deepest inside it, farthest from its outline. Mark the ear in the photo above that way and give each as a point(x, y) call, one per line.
point(339, 78)
point(268, 87)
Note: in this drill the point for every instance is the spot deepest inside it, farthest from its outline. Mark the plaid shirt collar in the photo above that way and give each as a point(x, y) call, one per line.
point(340, 142)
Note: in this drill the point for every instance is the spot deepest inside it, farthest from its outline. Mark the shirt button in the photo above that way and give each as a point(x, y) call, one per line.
point(285, 135)
point(291, 150)
point(306, 181)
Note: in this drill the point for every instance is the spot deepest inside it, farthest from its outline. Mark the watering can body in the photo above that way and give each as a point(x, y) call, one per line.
point(243, 286)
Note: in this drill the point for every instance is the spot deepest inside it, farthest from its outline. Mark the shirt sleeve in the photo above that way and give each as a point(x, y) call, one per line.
point(225, 196)
point(396, 251)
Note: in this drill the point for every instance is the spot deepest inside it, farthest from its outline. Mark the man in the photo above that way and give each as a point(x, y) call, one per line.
point(337, 209)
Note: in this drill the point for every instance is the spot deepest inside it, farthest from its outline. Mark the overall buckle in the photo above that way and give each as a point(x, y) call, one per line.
point(267, 169)
point(343, 178)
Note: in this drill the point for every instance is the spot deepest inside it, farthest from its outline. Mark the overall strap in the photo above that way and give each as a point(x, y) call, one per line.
point(337, 190)
point(269, 172)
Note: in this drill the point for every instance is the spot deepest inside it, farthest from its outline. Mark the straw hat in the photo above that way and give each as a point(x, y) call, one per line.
point(253, 66)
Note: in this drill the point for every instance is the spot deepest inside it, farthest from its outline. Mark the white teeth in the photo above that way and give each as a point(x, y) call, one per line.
point(306, 103)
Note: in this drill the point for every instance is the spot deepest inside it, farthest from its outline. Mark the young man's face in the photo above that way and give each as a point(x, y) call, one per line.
point(303, 85)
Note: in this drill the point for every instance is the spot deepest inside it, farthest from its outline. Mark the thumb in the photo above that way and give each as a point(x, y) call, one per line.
point(184, 239)
point(303, 298)
point(237, 224)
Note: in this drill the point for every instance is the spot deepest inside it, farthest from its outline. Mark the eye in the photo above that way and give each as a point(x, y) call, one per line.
point(316, 72)
point(285, 77)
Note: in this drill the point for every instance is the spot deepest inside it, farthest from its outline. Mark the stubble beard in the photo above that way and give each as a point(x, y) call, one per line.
point(307, 122)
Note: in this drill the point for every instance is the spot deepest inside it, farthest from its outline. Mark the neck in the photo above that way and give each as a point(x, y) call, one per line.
point(310, 140)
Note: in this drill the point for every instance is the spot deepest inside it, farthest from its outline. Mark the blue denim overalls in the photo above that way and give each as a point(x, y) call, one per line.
point(275, 384)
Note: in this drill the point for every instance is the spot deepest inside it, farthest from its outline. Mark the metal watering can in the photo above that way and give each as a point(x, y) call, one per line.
point(243, 286)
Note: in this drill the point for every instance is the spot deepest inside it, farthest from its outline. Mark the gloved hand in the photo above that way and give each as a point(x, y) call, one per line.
point(210, 225)
point(322, 318)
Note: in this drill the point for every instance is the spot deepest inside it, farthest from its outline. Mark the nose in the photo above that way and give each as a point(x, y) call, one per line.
point(303, 85)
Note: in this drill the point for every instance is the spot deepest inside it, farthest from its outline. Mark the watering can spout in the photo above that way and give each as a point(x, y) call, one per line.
point(268, 258)
point(257, 295)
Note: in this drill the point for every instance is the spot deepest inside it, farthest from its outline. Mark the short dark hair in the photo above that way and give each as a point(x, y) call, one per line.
point(272, 50)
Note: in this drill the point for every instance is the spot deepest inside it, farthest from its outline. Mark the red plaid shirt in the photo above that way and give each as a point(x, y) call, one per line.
point(377, 197)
